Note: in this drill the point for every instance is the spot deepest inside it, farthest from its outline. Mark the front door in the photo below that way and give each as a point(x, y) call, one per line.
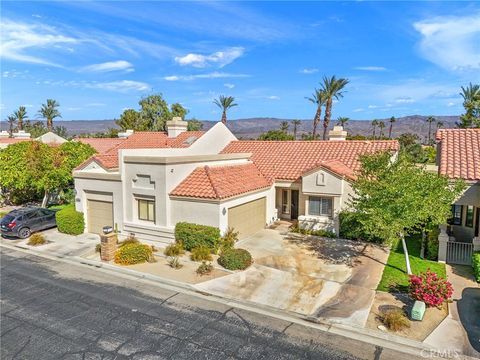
point(294, 205)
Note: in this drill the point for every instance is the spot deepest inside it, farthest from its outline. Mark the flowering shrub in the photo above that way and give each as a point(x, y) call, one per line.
point(430, 288)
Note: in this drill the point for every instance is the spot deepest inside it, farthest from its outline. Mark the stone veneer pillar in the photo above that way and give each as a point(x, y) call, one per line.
point(442, 244)
point(108, 246)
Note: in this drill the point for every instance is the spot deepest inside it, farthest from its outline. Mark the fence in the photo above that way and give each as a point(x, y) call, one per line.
point(459, 253)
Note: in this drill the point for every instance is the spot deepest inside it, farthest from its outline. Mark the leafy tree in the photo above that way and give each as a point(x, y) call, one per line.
point(130, 119)
point(178, 110)
point(407, 139)
point(296, 124)
point(36, 129)
point(21, 116)
point(194, 125)
point(390, 128)
point(276, 135)
point(318, 98)
point(154, 113)
point(440, 124)
point(471, 103)
point(11, 119)
point(332, 87)
point(429, 121)
point(342, 121)
point(225, 103)
point(49, 111)
point(284, 125)
point(61, 131)
point(395, 198)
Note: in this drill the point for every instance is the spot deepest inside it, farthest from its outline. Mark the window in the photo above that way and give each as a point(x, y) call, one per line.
point(319, 206)
point(285, 208)
point(456, 215)
point(469, 216)
point(146, 210)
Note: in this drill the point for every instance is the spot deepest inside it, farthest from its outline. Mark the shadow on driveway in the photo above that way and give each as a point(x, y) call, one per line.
point(469, 312)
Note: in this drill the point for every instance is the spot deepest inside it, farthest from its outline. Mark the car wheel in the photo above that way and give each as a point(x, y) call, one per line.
point(24, 233)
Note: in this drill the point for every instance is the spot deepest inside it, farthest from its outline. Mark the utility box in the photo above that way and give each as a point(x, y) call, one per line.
point(418, 310)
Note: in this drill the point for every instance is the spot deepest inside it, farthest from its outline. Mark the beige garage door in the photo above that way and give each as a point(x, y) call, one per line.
point(248, 218)
point(100, 214)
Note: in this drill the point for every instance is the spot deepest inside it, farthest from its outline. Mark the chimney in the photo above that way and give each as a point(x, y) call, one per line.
point(125, 134)
point(21, 134)
point(176, 126)
point(337, 133)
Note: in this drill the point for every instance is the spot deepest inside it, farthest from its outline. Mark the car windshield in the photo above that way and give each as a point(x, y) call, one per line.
point(7, 218)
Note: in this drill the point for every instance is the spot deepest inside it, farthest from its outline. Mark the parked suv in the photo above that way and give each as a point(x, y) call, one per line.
point(23, 222)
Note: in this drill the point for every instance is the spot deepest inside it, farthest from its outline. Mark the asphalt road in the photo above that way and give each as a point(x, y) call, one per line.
point(55, 310)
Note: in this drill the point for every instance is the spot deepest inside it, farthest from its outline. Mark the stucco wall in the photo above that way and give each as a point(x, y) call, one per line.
point(332, 185)
point(195, 211)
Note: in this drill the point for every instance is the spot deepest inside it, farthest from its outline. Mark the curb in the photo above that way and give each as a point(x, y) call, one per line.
point(373, 337)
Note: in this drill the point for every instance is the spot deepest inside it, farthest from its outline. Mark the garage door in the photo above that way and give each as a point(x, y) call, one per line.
point(100, 214)
point(248, 218)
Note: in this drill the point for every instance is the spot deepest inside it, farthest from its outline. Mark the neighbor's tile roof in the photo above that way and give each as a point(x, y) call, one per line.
point(288, 160)
point(101, 145)
point(459, 153)
point(337, 167)
point(13, 140)
point(221, 182)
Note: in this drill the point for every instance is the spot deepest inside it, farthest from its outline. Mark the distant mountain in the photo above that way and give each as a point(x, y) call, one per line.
point(251, 128)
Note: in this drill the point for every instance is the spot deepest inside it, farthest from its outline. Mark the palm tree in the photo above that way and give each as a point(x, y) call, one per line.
point(20, 115)
point(374, 126)
point(49, 111)
point(391, 121)
point(225, 103)
point(11, 119)
point(296, 124)
point(430, 120)
point(341, 121)
point(284, 126)
point(471, 103)
point(381, 126)
point(440, 124)
point(318, 98)
point(333, 89)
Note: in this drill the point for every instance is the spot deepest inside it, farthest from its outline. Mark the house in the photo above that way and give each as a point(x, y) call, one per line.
point(458, 157)
point(151, 180)
point(101, 145)
point(48, 138)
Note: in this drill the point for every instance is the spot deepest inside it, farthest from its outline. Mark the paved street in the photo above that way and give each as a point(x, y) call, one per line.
point(55, 310)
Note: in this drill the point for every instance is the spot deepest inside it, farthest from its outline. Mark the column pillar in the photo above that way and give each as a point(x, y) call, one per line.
point(442, 244)
point(108, 246)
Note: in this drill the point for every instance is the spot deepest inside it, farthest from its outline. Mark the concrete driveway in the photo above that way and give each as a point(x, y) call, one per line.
point(330, 279)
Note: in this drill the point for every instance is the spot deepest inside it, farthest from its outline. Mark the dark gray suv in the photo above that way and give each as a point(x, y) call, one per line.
point(23, 222)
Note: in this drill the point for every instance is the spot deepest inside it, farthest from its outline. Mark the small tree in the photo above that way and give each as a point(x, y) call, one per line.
point(275, 135)
point(284, 125)
point(194, 125)
point(394, 198)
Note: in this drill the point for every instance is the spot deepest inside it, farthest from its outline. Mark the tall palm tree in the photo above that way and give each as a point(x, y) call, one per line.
point(50, 111)
point(284, 126)
point(296, 124)
point(11, 119)
point(333, 89)
point(374, 126)
point(341, 121)
point(440, 124)
point(225, 103)
point(381, 126)
point(471, 103)
point(318, 98)
point(20, 115)
point(391, 121)
point(430, 120)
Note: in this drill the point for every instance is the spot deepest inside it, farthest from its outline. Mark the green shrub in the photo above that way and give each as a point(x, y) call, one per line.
point(432, 244)
point(70, 221)
point(352, 229)
point(194, 235)
point(129, 240)
point(36, 239)
point(476, 265)
point(201, 253)
point(98, 248)
point(174, 262)
point(395, 320)
point(174, 249)
point(134, 253)
point(321, 232)
point(235, 259)
point(204, 268)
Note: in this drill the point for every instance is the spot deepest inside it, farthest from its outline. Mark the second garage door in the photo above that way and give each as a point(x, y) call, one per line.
point(100, 214)
point(248, 218)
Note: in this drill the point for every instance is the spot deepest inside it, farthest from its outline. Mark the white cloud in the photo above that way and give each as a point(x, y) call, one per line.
point(451, 42)
point(451, 103)
point(120, 86)
point(119, 65)
point(229, 86)
point(358, 110)
point(213, 75)
point(73, 108)
point(371, 68)
point(372, 106)
point(273, 97)
point(309, 71)
point(404, 100)
point(95, 104)
point(19, 38)
point(219, 58)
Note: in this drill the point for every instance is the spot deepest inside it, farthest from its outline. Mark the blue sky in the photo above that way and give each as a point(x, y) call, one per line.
point(98, 58)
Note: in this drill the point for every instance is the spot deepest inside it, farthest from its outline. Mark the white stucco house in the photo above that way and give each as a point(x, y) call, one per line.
point(148, 182)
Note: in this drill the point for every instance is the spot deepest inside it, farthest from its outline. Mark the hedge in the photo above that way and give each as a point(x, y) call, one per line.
point(351, 228)
point(70, 221)
point(476, 265)
point(194, 235)
point(134, 253)
point(235, 259)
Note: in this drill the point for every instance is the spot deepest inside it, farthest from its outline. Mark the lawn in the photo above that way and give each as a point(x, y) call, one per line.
point(59, 207)
point(3, 213)
point(395, 278)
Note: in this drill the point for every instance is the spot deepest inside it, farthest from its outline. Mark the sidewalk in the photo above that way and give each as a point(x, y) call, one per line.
point(460, 331)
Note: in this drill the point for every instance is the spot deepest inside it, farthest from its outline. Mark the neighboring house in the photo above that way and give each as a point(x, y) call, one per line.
point(48, 138)
point(458, 157)
point(151, 180)
point(101, 145)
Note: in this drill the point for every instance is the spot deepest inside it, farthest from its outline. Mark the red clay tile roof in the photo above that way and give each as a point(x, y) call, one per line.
point(336, 167)
point(184, 139)
point(101, 145)
point(221, 182)
point(12, 140)
point(459, 153)
point(288, 160)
